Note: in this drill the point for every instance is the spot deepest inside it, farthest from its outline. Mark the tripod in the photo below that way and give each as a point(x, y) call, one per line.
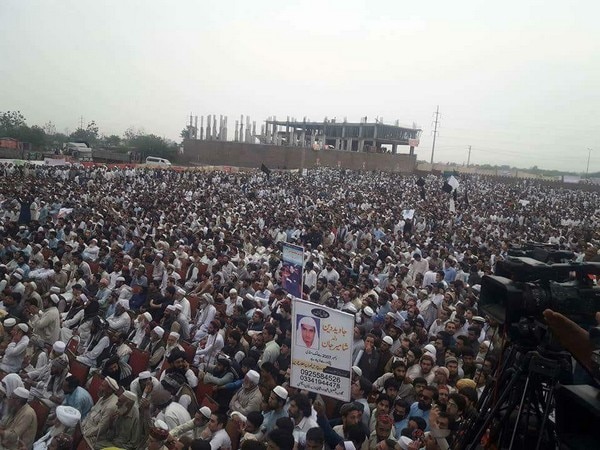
point(520, 414)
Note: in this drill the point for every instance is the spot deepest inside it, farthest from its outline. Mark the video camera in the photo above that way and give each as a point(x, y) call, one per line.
point(525, 287)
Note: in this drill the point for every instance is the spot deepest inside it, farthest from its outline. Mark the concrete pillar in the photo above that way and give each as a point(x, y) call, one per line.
point(215, 131)
point(237, 131)
point(253, 129)
point(225, 128)
point(303, 138)
point(201, 127)
point(394, 149)
point(291, 137)
point(412, 150)
point(349, 144)
point(361, 145)
point(312, 139)
point(208, 127)
point(242, 128)
point(337, 143)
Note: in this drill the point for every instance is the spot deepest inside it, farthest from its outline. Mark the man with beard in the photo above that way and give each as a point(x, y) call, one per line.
point(97, 422)
point(221, 376)
point(422, 407)
point(156, 347)
point(21, 421)
point(167, 410)
point(124, 429)
point(423, 369)
point(137, 335)
point(97, 347)
point(384, 430)
point(178, 363)
point(468, 363)
point(72, 319)
point(276, 404)
point(248, 397)
point(46, 322)
point(196, 426)
point(406, 390)
point(213, 345)
point(60, 277)
point(400, 415)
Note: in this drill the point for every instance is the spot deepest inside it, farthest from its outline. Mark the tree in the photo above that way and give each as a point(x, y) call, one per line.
point(89, 134)
point(151, 145)
point(188, 132)
point(111, 141)
point(11, 121)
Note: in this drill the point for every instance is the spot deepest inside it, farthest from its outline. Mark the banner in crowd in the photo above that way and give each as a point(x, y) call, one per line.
point(292, 269)
point(322, 340)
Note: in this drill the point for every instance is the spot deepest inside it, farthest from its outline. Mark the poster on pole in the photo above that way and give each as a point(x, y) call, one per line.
point(322, 340)
point(292, 269)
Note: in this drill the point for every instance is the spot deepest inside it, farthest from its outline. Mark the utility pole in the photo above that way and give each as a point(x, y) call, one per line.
point(81, 122)
point(435, 131)
point(587, 170)
point(469, 158)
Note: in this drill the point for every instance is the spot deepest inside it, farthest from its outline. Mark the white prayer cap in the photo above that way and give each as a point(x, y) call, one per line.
point(55, 290)
point(145, 375)
point(10, 322)
point(23, 327)
point(349, 445)
point(404, 442)
point(357, 370)
point(130, 396)
point(349, 307)
point(21, 392)
point(147, 316)
point(55, 298)
point(242, 417)
point(368, 311)
point(123, 303)
point(181, 291)
point(429, 348)
point(233, 291)
point(388, 340)
point(59, 347)
point(161, 424)
point(253, 376)
point(112, 383)
point(17, 275)
point(170, 308)
point(280, 392)
point(68, 416)
point(175, 334)
point(120, 279)
point(159, 331)
point(206, 412)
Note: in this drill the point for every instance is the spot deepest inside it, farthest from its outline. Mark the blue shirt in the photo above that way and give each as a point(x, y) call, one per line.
point(81, 400)
point(415, 411)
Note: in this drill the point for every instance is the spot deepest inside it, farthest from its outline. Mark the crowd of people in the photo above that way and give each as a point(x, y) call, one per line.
point(144, 308)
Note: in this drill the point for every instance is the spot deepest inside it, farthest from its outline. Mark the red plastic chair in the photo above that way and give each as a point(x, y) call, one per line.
point(138, 360)
point(42, 411)
point(79, 371)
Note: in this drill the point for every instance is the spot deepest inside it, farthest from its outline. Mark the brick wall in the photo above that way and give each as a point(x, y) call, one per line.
point(278, 157)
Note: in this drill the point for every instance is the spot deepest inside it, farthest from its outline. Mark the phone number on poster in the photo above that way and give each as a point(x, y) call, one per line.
point(308, 376)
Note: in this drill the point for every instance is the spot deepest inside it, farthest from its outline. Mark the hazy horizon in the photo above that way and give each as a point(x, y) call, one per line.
point(518, 81)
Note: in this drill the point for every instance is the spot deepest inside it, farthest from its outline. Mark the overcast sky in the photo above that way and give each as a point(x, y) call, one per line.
point(517, 80)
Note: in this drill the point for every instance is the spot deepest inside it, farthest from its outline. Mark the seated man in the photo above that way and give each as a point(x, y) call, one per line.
point(124, 429)
point(248, 397)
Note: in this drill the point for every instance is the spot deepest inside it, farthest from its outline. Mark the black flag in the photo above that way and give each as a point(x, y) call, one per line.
point(266, 170)
point(422, 193)
point(466, 199)
point(447, 188)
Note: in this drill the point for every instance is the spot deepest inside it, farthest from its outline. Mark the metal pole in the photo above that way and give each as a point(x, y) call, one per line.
point(437, 113)
point(587, 170)
point(469, 158)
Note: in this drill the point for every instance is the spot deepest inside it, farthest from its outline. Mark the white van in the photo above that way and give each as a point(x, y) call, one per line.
point(153, 160)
